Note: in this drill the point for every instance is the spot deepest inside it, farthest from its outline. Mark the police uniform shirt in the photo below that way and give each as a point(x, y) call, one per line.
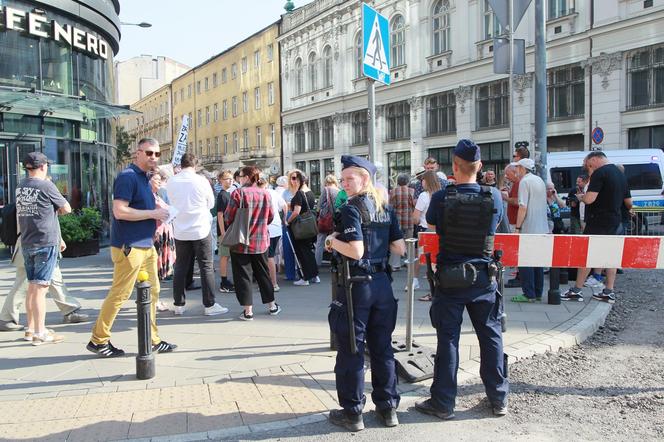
point(435, 216)
point(351, 225)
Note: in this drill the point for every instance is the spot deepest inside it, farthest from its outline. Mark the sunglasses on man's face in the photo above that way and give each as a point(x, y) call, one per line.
point(149, 153)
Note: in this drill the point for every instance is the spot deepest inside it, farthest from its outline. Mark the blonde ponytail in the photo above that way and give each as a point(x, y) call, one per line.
point(371, 190)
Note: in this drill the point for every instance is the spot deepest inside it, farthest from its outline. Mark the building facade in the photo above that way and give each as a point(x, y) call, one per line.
point(140, 76)
point(605, 68)
point(233, 104)
point(154, 120)
point(56, 93)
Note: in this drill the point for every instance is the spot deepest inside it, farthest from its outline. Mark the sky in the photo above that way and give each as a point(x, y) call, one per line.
point(192, 31)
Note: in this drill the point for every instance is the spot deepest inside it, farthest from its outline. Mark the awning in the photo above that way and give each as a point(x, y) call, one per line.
point(30, 102)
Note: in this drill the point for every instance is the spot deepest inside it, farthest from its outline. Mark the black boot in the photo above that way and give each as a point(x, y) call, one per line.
point(352, 422)
point(388, 417)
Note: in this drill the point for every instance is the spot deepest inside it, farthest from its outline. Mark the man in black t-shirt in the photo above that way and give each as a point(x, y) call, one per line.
point(223, 198)
point(606, 194)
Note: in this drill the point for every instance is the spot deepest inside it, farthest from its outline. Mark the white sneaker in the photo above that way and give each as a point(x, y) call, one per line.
point(315, 280)
point(276, 287)
point(301, 282)
point(593, 283)
point(178, 310)
point(216, 309)
point(416, 285)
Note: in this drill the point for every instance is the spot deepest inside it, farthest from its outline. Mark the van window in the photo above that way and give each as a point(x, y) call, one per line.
point(643, 176)
point(564, 178)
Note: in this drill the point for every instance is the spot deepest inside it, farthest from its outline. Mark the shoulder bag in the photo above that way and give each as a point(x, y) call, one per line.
point(238, 232)
point(326, 220)
point(305, 225)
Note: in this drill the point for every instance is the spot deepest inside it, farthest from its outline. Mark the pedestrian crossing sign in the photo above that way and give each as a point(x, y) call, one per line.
point(376, 45)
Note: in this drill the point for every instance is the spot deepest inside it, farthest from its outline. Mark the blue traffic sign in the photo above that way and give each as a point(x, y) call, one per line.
point(598, 135)
point(376, 48)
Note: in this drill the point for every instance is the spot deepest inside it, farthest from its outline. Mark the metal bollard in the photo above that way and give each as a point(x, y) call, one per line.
point(412, 256)
point(145, 368)
point(554, 286)
point(334, 278)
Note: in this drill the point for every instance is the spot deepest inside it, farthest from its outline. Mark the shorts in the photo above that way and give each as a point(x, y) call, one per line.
point(601, 230)
point(40, 263)
point(274, 243)
point(416, 230)
point(223, 250)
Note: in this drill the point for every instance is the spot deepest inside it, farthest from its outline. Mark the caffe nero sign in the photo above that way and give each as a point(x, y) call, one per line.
point(38, 24)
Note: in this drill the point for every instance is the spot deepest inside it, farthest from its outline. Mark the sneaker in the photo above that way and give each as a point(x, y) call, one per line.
point(10, 326)
point(276, 287)
point(105, 350)
point(416, 285)
point(427, 407)
point(29, 334)
point(276, 310)
point(245, 317)
point(47, 338)
point(178, 310)
point(499, 409)
point(215, 309)
point(315, 280)
point(301, 282)
point(163, 347)
point(388, 417)
point(352, 422)
point(571, 295)
point(593, 283)
point(605, 297)
point(75, 317)
point(226, 287)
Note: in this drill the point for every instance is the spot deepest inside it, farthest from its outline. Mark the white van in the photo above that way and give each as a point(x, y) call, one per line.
point(644, 169)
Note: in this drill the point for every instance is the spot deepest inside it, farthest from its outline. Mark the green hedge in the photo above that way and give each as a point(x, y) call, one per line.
point(80, 226)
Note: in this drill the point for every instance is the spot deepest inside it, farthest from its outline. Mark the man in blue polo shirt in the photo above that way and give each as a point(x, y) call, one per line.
point(132, 247)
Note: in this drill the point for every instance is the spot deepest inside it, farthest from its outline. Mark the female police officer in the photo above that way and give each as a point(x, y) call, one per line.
point(367, 231)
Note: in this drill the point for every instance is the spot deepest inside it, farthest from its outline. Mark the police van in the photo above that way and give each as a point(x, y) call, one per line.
point(644, 169)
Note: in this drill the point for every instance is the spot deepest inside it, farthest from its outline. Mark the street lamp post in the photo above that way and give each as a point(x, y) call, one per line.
point(140, 25)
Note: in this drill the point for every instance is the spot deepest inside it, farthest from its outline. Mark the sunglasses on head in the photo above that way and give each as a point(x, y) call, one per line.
point(149, 153)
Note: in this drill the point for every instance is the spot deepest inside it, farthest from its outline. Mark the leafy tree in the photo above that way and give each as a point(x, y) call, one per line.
point(123, 142)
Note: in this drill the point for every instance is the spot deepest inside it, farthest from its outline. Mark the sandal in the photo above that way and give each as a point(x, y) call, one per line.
point(522, 298)
point(425, 298)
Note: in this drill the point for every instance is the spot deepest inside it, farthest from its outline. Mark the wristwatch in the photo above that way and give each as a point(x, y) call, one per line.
point(328, 242)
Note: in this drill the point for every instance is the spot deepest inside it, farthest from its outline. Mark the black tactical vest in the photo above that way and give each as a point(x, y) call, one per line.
point(375, 231)
point(467, 221)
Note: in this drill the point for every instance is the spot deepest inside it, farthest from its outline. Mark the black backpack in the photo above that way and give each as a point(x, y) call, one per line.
point(9, 227)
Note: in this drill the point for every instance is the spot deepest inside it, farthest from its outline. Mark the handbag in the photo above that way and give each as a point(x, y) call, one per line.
point(305, 225)
point(326, 222)
point(238, 232)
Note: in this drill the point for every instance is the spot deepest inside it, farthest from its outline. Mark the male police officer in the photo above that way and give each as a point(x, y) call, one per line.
point(367, 231)
point(465, 216)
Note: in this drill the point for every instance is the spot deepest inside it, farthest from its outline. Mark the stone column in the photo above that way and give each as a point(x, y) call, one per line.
point(417, 132)
point(606, 98)
point(464, 118)
point(523, 112)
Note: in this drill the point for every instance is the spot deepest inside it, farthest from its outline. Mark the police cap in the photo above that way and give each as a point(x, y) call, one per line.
point(355, 161)
point(467, 150)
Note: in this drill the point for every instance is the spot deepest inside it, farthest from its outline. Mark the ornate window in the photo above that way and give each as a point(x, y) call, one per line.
point(398, 40)
point(565, 92)
point(440, 27)
point(314, 135)
point(559, 8)
point(299, 86)
point(492, 27)
point(312, 74)
point(398, 121)
point(492, 104)
point(299, 137)
point(441, 113)
point(328, 133)
point(359, 61)
point(359, 120)
point(646, 77)
point(327, 66)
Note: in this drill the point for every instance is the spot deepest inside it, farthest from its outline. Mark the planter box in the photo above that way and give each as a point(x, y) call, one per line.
point(85, 248)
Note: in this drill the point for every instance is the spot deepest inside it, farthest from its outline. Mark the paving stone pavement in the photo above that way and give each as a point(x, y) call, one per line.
point(227, 377)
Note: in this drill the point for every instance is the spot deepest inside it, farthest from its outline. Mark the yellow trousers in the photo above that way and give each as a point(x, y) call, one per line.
point(125, 272)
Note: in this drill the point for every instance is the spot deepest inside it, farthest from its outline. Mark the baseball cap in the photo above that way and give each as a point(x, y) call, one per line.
point(34, 160)
point(527, 163)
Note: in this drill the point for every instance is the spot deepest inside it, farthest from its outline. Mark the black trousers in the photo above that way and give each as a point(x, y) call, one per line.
point(242, 264)
point(304, 250)
point(201, 249)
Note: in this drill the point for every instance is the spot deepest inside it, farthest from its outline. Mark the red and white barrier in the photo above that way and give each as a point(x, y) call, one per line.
point(596, 251)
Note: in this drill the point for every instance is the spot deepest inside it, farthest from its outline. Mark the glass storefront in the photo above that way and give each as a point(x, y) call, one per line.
point(57, 99)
